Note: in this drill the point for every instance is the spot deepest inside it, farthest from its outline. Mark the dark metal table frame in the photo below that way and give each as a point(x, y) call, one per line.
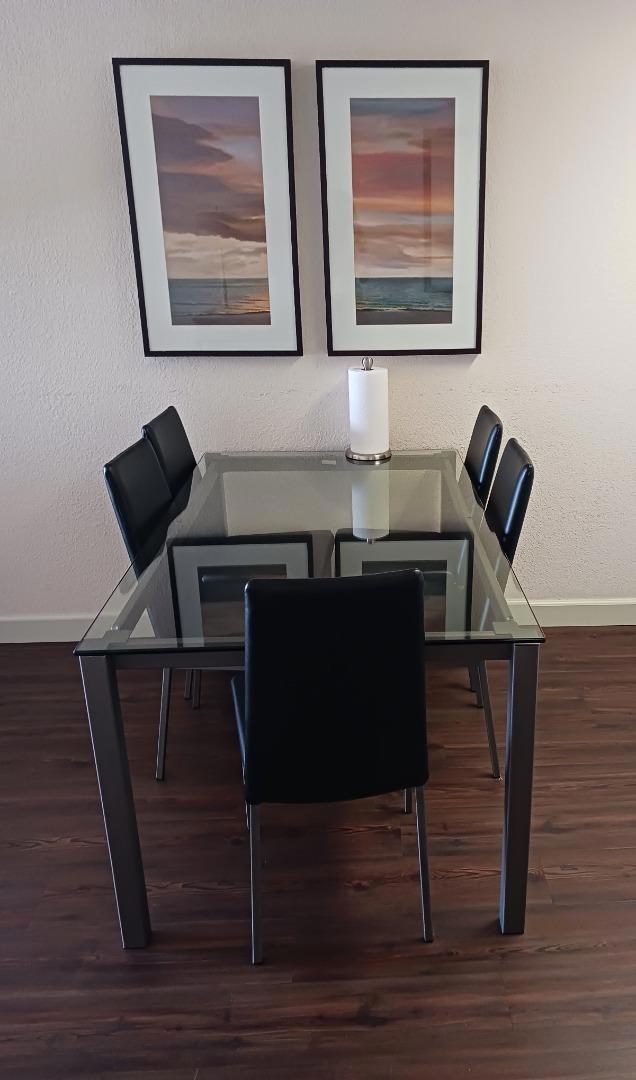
point(99, 675)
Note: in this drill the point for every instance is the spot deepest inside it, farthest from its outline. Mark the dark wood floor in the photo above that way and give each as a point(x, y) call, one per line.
point(348, 990)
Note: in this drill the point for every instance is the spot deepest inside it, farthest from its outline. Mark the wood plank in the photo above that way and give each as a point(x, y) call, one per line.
point(348, 989)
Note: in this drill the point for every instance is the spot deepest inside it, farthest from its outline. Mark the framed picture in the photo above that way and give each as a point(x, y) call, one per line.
point(208, 577)
point(208, 159)
point(445, 560)
point(402, 157)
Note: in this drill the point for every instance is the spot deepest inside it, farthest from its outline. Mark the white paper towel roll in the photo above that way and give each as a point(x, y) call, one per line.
point(370, 503)
point(369, 410)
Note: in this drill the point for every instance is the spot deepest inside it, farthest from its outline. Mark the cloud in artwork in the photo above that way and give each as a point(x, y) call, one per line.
point(403, 182)
point(405, 245)
point(205, 205)
point(210, 176)
point(403, 177)
point(182, 147)
point(191, 256)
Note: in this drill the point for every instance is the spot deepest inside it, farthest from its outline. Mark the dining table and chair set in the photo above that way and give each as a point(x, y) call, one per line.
point(326, 587)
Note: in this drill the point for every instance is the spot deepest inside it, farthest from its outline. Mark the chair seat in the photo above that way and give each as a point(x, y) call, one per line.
point(238, 693)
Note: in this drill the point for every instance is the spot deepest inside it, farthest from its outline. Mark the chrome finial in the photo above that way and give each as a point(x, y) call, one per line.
point(367, 363)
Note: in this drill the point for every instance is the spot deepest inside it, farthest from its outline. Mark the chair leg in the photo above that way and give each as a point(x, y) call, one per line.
point(473, 673)
point(408, 800)
point(482, 676)
point(196, 689)
point(425, 886)
point(166, 683)
point(187, 686)
point(254, 815)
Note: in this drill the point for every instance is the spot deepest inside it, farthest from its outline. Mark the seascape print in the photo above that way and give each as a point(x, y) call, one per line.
point(208, 152)
point(402, 153)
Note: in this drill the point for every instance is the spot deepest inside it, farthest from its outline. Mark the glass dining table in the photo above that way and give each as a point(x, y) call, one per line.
point(240, 516)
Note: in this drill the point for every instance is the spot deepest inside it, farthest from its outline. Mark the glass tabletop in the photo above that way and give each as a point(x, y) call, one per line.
point(243, 516)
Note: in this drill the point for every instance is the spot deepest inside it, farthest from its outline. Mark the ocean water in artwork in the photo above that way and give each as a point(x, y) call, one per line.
point(402, 162)
point(210, 176)
point(218, 302)
point(404, 299)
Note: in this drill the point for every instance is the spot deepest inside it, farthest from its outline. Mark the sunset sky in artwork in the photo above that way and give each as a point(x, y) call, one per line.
point(402, 161)
point(210, 174)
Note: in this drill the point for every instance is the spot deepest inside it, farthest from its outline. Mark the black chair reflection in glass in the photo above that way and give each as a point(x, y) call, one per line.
point(168, 438)
point(504, 516)
point(142, 502)
point(347, 718)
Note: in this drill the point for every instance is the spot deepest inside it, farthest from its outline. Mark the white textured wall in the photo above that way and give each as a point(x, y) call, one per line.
point(559, 347)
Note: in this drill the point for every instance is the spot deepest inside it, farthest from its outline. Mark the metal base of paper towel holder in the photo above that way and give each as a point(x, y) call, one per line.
point(373, 458)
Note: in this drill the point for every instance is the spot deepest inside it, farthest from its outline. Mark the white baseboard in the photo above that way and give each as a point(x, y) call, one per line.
point(609, 612)
point(26, 628)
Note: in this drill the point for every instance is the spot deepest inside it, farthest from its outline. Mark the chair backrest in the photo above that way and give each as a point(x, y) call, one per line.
point(483, 449)
point(335, 697)
point(139, 493)
point(170, 443)
point(508, 502)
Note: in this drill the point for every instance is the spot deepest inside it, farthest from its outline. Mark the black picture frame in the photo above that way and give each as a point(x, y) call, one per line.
point(118, 64)
point(346, 537)
point(321, 67)
point(207, 555)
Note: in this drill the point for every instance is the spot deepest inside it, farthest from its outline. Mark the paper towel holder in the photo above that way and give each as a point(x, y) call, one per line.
point(373, 459)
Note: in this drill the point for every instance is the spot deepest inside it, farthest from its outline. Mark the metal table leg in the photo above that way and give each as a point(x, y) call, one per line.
point(164, 714)
point(196, 688)
point(522, 698)
point(484, 696)
point(115, 789)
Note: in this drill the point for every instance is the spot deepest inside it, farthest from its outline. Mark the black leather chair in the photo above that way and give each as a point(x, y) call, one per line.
point(483, 450)
point(142, 503)
point(140, 495)
point(167, 436)
point(508, 502)
point(347, 717)
point(481, 459)
point(505, 515)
